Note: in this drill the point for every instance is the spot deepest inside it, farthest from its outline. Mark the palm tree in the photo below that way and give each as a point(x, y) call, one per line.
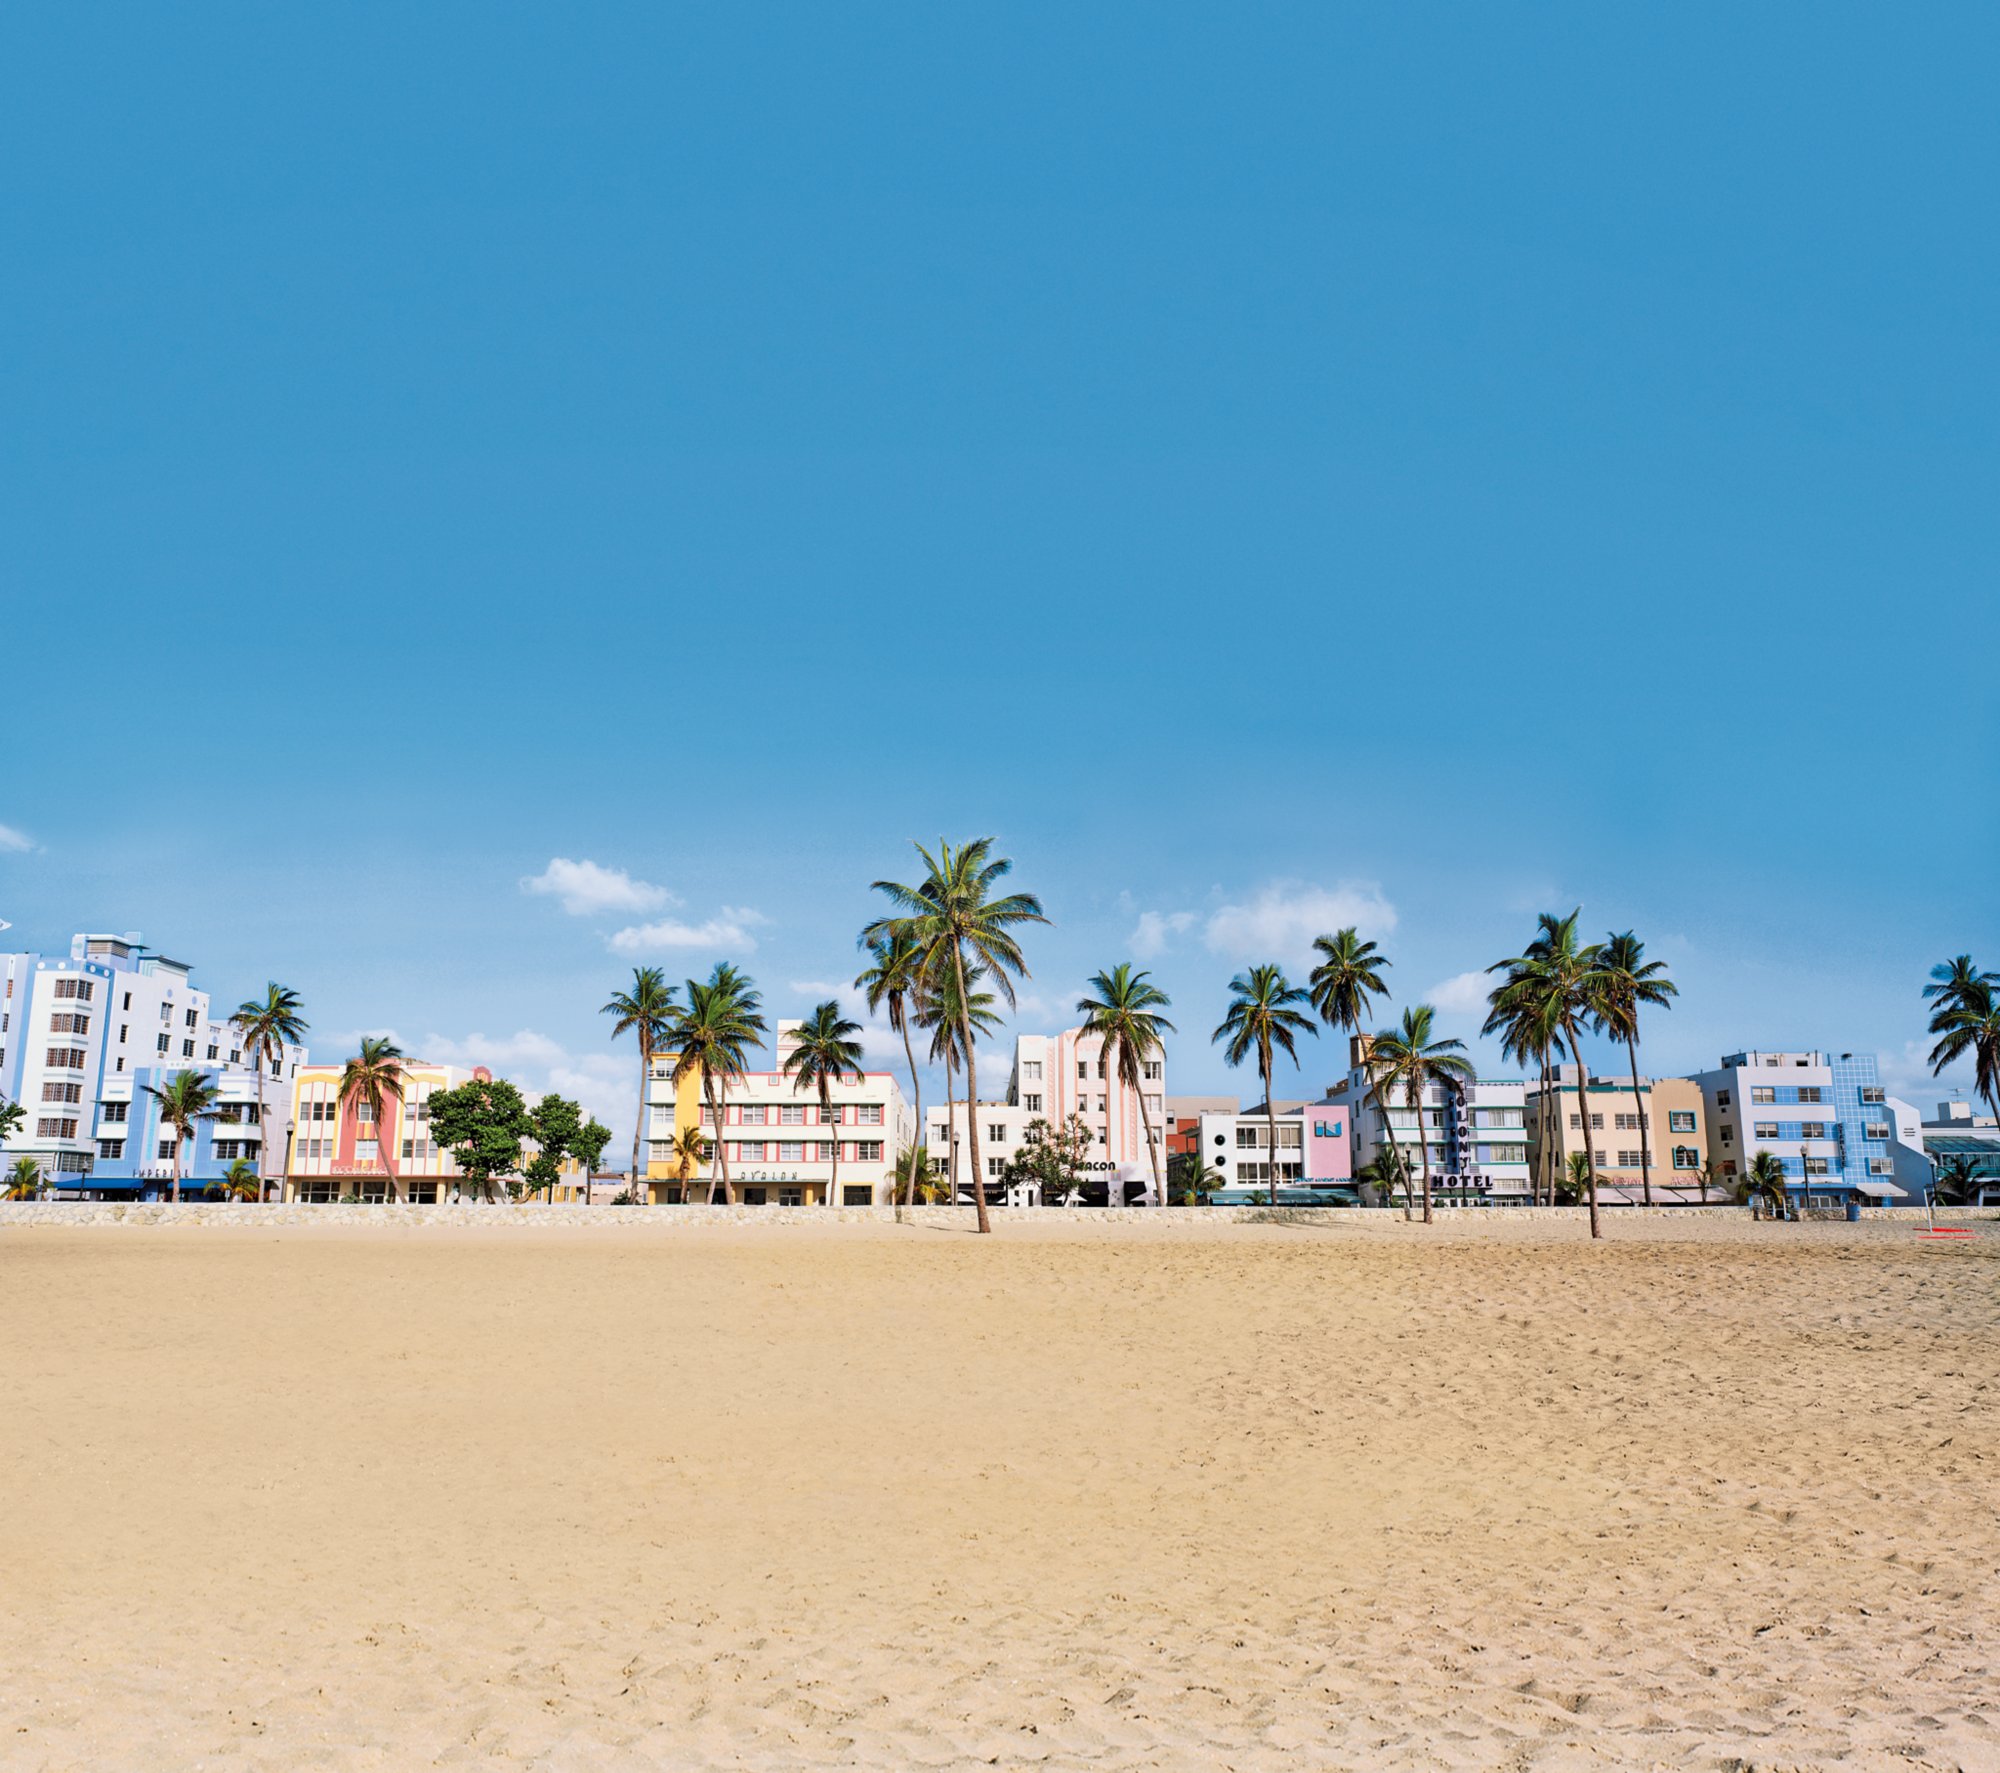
point(1383, 1172)
point(1956, 1182)
point(713, 1034)
point(1628, 981)
point(912, 1171)
point(1969, 1022)
point(1954, 981)
point(267, 1025)
point(1766, 1177)
point(824, 1053)
point(957, 925)
point(1124, 1015)
point(371, 1079)
point(892, 980)
point(186, 1099)
point(1705, 1178)
point(689, 1149)
point(1577, 1173)
point(939, 1011)
point(1409, 1057)
point(1348, 975)
point(23, 1180)
point(643, 1011)
point(1262, 1017)
point(1558, 983)
point(1527, 1030)
point(239, 1182)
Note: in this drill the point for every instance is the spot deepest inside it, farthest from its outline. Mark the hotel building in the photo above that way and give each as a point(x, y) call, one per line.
point(1671, 1111)
point(1826, 1118)
point(1315, 1145)
point(780, 1148)
point(1475, 1131)
point(1053, 1077)
point(82, 1034)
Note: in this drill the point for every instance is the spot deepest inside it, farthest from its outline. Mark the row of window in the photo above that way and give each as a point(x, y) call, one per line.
point(83, 990)
point(755, 1151)
point(1679, 1120)
point(795, 1114)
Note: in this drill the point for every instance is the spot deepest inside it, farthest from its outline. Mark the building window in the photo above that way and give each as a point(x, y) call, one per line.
point(55, 1129)
point(1812, 1129)
point(166, 1150)
point(366, 1151)
point(870, 1114)
point(1816, 1166)
point(790, 1114)
point(1503, 1154)
point(1764, 1129)
point(62, 1092)
point(1722, 1098)
point(751, 1114)
point(996, 1166)
point(187, 1049)
point(1810, 1093)
point(1576, 1123)
point(996, 1132)
point(1150, 1071)
point(191, 1018)
point(69, 1024)
point(110, 1148)
point(65, 1058)
point(115, 1111)
point(1686, 1158)
point(1880, 1166)
point(869, 1151)
point(792, 1152)
point(1680, 1120)
point(1628, 1160)
point(1876, 1129)
point(228, 1150)
point(1031, 1071)
point(750, 1152)
point(211, 1050)
point(1726, 1133)
point(1597, 1123)
point(81, 989)
point(1766, 1095)
point(1871, 1093)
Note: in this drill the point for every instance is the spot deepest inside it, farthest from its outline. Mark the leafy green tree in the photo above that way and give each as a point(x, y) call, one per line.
point(1557, 984)
point(23, 1180)
point(1125, 1016)
point(957, 925)
point(1191, 1179)
point(11, 1116)
point(1529, 1032)
point(1385, 1172)
point(1052, 1157)
point(717, 1029)
point(893, 979)
point(1262, 1017)
point(645, 1011)
point(1956, 1183)
point(557, 1121)
point(239, 1182)
point(1627, 983)
point(482, 1124)
point(267, 1025)
point(1410, 1059)
point(823, 1053)
point(587, 1147)
point(1577, 1181)
point(186, 1099)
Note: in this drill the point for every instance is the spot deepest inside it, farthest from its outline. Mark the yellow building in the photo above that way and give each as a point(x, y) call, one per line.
point(1674, 1123)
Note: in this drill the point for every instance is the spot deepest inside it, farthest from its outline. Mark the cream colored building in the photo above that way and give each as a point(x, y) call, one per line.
point(1674, 1120)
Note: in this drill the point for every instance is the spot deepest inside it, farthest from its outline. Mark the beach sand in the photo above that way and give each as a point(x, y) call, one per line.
point(1713, 1495)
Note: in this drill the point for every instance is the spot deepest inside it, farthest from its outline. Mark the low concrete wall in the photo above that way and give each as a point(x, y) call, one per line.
point(496, 1217)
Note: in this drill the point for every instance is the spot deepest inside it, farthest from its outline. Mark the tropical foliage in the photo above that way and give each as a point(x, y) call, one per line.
point(1262, 1017)
point(482, 1124)
point(713, 1035)
point(1628, 982)
point(23, 1180)
point(644, 1011)
point(823, 1053)
point(186, 1099)
point(892, 982)
point(371, 1080)
point(958, 923)
point(239, 1182)
point(267, 1025)
point(1051, 1157)
point(1408, 1058)
point(11, 1116)
point(1765, 1181)
point(1965, 1016)
point(1124, 1014)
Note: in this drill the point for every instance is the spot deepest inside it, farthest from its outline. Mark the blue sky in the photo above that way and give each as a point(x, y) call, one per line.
point(1264, 464)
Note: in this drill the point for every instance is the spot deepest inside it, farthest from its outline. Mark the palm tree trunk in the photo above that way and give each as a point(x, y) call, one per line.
point(178, 1137)
point(826, 1119)
point(639, 1125)
point(971, 1091)
point(1423, 1149)
point(259, 1063)
point(1152, 1151)
point(906, 1184)
point(721, 1145)
point(1270, 1128)
point(1583, 1116)
point(1645, 1150)
point(1395, 1146)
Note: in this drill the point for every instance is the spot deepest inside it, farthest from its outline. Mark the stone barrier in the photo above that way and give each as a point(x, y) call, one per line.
point(499, 1216)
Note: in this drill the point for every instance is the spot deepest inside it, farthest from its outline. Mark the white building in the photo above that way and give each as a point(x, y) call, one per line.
point(1475, 1130)
point(75, 1028)
point(1825, 1117)
point(1957, 1130)
point(1053, 1077)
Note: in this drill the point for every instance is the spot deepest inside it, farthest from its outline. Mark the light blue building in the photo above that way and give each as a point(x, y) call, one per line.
point(1825, 1117)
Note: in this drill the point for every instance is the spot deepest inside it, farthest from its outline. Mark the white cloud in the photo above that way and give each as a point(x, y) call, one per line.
point(607, 1084)
point(730, 928)
point(586, 889)
point(1908, 1074)
point(1464, 994)
point(820, 989)
point(15, 841)
point(1156, 928)
point(1280, 921)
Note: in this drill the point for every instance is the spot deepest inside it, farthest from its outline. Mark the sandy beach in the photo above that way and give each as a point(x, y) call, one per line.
point(1713, 1495)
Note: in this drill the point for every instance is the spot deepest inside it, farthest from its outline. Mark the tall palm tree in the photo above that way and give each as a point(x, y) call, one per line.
point(186, 1099)
point(1969, 1022)
point(1559, 981)
point(1628, 982)
point(1125, 1017)
point(1348, 975)
point(23, 1180)
point(1527, 1028)
point(1409, 1057)
point(644, 1012)
point(1766, 1177)
point(1262, 1016)
point(373, 1078)
point(940, 1011)
point(1954, 981)
point(267, 1025)
point(892, 980)
point(1705, 1178)
point(824, 1053)
point(1955, 1182)
point(689, 1149)
point(957, 924)
point(713, 1033)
